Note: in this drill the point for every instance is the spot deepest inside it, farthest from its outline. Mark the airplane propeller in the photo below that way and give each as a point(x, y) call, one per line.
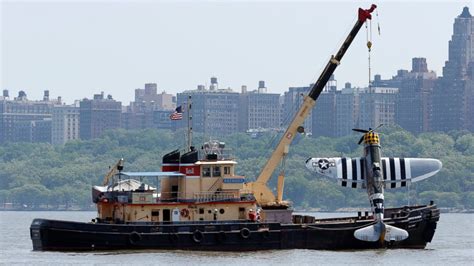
point(365, 131)
point(361, 130)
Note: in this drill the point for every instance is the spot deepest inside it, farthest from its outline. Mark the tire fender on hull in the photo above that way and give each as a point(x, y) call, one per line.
point(245, 233)
point(265, 234)
point(198, 236)
point(134, 238)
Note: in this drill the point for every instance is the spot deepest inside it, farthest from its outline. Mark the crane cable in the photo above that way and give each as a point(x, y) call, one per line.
point(368, 28)
point(369, 45)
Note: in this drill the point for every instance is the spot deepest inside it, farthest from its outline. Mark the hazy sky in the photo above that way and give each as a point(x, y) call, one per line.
point(76, 48)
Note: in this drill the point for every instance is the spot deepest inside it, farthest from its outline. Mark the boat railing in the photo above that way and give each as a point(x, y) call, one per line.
point(224, 154)
point(207, 196)
point(246, 194)
point(153, 197)
point(171, 196)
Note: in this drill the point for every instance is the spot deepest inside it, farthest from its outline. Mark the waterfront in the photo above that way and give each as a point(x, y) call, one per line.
point(452, 243)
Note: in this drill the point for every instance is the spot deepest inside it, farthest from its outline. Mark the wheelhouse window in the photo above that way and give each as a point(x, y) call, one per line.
point(226, 170)
point(216, 171)
point(206, 171)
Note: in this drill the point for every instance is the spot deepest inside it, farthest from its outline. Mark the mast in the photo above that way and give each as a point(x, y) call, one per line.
point(190, 128)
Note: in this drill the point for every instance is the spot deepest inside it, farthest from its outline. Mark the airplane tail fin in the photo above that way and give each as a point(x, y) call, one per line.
point(393, 233)
point(370, 233)
point(379, 231)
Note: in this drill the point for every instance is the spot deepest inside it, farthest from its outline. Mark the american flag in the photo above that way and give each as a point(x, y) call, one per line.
point(178, 114)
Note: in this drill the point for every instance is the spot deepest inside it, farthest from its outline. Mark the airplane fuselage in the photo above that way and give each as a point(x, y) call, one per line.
point(374, 182)
point(374, 179)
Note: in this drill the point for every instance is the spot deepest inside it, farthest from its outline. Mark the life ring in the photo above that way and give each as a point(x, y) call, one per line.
point(134, 238)
point(198, 236)
point(245, 232)
point(184, 213)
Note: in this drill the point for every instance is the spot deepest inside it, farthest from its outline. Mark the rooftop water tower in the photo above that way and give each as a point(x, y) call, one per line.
point(46, 96)
point(261, 87)
point(214, 84)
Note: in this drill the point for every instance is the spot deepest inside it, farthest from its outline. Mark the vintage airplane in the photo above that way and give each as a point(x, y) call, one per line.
point(375, 173)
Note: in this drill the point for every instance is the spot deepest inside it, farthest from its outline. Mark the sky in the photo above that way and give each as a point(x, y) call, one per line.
point(78, 48)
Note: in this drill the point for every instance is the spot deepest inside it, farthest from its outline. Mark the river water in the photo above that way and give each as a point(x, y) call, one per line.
point(453, 244)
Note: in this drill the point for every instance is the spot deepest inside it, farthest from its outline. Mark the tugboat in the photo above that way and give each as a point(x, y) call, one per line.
point(202, 204)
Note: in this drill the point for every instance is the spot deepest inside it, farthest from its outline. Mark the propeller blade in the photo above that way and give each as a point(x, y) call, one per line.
point(360, 130)
point(360, 140)
point(379, 126)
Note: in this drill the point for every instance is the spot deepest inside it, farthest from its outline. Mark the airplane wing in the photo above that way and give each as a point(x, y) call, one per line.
point(399, 172)
point(348, 171)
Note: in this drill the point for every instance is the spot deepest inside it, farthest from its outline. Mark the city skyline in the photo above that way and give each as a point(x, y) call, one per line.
point(413, 99)
point(286, 47)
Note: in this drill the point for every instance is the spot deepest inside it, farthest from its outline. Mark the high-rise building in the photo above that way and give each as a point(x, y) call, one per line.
point(33, 131)
point(19, 112)
point(147, 107)
point(161, 120)
point(259, 110)
point(357, 108)
point(148, 99)
point(292, 100)
point(137, 120)
point(414, 103)
point(321, 120)
point(65, 123)
point(453, 95)
point(394, 82)
point(98, 115)
point(347, 110)
point(324, 113)
point(214, 111)
point(377, 106)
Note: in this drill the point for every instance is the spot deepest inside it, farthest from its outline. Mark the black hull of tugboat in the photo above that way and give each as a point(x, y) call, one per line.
point(329, 234)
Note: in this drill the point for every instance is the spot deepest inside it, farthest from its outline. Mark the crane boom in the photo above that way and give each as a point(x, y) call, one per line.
point(262, 192)
point(112, 171)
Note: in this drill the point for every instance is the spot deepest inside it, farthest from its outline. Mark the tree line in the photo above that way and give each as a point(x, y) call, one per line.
point(38, 175)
